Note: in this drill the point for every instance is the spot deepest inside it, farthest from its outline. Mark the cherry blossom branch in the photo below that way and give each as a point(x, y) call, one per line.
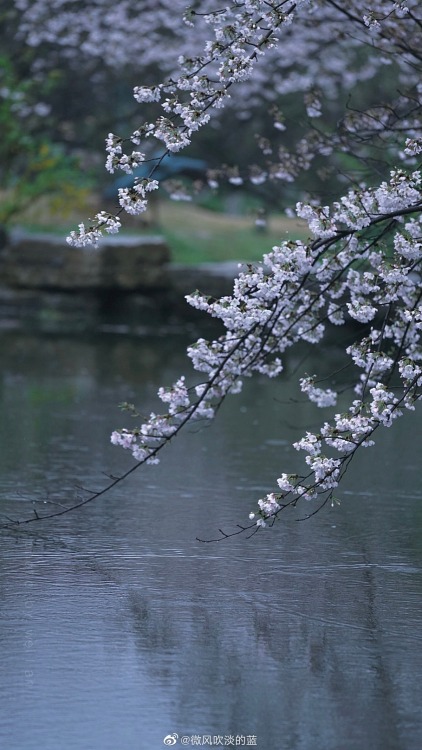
point(362, 265)
point(274, 306)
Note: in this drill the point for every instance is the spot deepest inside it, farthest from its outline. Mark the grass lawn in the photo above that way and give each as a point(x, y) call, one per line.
point(194, 234)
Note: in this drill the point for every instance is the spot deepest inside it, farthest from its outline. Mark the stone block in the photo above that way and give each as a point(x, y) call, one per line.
point(120, 262)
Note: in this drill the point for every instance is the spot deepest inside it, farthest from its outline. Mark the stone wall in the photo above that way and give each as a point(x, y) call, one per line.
point(127, 282)
point(120, 262)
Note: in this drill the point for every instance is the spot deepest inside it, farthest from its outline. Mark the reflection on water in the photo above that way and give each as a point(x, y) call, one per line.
point(119, 628)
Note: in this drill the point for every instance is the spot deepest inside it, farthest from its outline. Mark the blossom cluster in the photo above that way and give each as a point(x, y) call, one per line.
point(317, 48)
point(188, 99)
point(288, 298)
point(233, 41)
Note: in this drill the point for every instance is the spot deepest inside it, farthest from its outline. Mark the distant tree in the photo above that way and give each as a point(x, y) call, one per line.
point(34, 161)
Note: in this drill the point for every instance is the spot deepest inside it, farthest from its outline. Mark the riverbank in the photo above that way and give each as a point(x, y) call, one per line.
point(127, 283)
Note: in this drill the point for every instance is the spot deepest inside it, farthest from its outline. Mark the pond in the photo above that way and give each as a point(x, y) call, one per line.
point(121, 631)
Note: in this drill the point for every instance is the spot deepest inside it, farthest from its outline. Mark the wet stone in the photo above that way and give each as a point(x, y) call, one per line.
point(48, 262)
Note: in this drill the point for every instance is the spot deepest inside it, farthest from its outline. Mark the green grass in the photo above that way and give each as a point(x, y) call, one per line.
point(231, 244)
point(197, 235)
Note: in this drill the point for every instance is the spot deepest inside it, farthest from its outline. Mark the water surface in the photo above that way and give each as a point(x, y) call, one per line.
point(118, 628)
